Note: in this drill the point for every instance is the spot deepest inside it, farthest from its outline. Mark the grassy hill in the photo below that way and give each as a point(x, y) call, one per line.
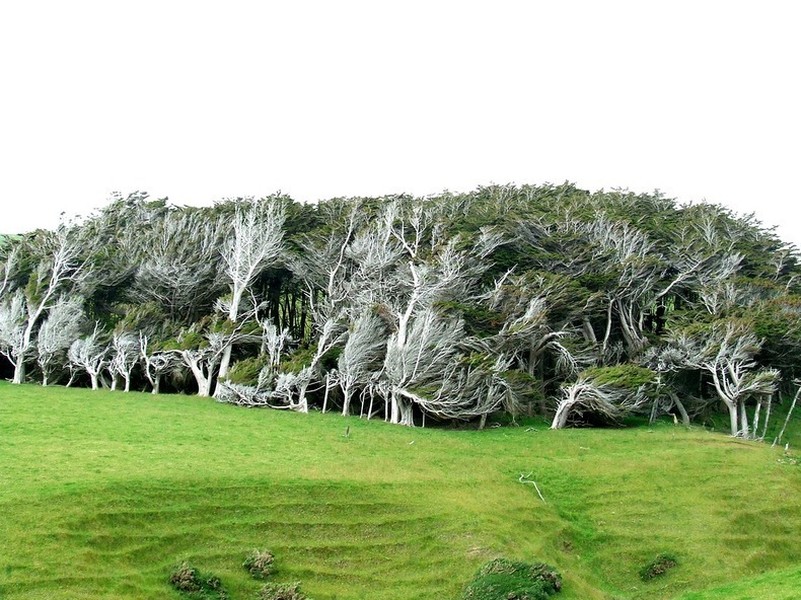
point(102, 493)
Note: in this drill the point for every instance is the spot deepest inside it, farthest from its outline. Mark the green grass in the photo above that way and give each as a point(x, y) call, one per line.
point(776, 585)
point(102, 494)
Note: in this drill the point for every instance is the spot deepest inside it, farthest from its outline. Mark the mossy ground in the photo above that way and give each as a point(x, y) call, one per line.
point(102, 493)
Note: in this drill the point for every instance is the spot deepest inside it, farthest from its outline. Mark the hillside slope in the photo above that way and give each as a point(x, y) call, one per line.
point(101, 493)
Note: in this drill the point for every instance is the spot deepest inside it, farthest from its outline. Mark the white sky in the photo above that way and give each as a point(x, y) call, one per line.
point(199, 101)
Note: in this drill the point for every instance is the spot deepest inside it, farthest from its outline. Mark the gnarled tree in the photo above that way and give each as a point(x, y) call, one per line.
point(58, 331)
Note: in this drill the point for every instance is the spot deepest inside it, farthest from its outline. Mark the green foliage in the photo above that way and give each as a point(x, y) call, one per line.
point(330, 358)
point(527, 388)
point(259, 563)
point(148, 317)
point(479, 321)
point(282, 591)
point(657, 567)
point(246, 371)
point(777, 322)
point(191, 339)
point(503, 579)
point(195, 585)
point(297, 360)
point(625, 376)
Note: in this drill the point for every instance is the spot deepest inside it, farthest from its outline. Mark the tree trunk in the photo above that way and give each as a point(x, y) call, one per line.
point(346, 392)
point(402, 413)
point(156, 383)
point(744, 431)
point(685, 418)
point(767, 419)
point(19, 371)
point(562, 412)
point(787, 418)
point(203, 381)
point(407, 414)
point(225, 362)
point(95, 383)
point(732, 417)
point(303, 403)
point(588, 331)
point(608, 331)
point(755, 424)
point(394, 415)
point(203, 386)
point(370, 410)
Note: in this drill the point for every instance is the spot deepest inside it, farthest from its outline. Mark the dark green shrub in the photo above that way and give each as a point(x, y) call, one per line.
point(503, 579)
point(194, 584)
point(246, 371)
point(625, 376)
point(259, 563)
point(282, 591)
point(660, 565)
point(301, 357)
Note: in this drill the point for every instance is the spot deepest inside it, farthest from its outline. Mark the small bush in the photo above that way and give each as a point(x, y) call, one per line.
point(192, 583)
point(658, 566)
point(259, 563)
point(282, 591)
point(246, 371)
point(503, 579)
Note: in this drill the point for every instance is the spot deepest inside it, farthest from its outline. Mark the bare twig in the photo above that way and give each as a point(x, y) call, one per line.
point(525, 479)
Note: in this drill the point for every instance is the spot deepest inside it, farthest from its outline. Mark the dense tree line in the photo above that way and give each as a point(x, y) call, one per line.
point(585, 307)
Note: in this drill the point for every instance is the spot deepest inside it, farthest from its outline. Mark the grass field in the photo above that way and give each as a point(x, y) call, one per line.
point(102, 493)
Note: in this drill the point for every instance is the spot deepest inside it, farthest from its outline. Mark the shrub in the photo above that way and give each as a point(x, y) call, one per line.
point(624, 376)
point(246, 371)
point(259, 564)
point(193, 584)
point(282, 591)
point(503, 579)
point(660, 565)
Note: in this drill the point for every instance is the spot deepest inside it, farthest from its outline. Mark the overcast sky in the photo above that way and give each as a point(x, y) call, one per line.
point(200, 101)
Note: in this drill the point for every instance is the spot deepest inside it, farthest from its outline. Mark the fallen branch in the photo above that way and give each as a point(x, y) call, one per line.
point(525, 479)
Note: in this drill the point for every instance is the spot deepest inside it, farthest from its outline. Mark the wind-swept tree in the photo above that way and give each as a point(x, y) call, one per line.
point(88, 354)
point(7, 267)
point(359, 365)
point(124, 352)
point(178, 268)
point(201, 347)
point(57, 266)
point(63, 325)
point(726, 351)
point(327, 272)
point(604, 393)
point(156, 362)
point(434, 269)
point(254, 243)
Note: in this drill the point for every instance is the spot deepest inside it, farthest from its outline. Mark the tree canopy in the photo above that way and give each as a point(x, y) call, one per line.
point(581, 307)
